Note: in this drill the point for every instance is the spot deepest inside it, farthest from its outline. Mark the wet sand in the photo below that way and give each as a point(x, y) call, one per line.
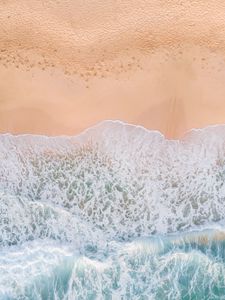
point(66, 65)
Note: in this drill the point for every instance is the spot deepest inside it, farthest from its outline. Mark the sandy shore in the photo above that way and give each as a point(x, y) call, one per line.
point(66, 65)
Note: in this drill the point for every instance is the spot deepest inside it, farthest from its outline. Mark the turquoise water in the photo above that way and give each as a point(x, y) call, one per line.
point(153, 268)
point(118, 212)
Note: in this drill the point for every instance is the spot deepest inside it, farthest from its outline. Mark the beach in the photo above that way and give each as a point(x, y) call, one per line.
point(65, 65)
point(112, 149)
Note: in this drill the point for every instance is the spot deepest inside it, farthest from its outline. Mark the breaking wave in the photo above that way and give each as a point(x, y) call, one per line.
point(118, 212)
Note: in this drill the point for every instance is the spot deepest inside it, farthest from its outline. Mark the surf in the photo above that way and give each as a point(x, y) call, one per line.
point(117, 212)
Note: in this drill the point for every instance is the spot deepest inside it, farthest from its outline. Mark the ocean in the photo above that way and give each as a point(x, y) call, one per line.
point(117, 212)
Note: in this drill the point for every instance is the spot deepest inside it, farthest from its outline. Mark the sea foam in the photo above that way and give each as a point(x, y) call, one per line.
point(110, 214)
point(122, 179)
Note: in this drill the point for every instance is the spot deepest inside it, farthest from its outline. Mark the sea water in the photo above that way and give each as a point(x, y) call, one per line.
point(118, 212)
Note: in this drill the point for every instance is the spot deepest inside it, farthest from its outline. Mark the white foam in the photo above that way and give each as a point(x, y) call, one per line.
point(122, 179)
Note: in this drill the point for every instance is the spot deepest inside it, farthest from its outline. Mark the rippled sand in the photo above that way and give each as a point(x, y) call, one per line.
point(66, 65)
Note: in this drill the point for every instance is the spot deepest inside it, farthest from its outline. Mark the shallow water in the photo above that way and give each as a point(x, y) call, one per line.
point(118, 212)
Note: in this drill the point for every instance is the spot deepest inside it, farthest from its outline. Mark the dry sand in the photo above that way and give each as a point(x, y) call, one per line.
point(68, 64)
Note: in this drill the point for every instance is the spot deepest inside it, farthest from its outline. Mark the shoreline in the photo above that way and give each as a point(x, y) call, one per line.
point(102, 123)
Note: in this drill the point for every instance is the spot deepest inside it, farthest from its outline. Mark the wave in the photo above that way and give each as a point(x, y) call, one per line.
point(173, 267)
point(110, 214)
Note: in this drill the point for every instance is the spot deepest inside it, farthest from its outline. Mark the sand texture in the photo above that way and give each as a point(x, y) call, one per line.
point(66, 65)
